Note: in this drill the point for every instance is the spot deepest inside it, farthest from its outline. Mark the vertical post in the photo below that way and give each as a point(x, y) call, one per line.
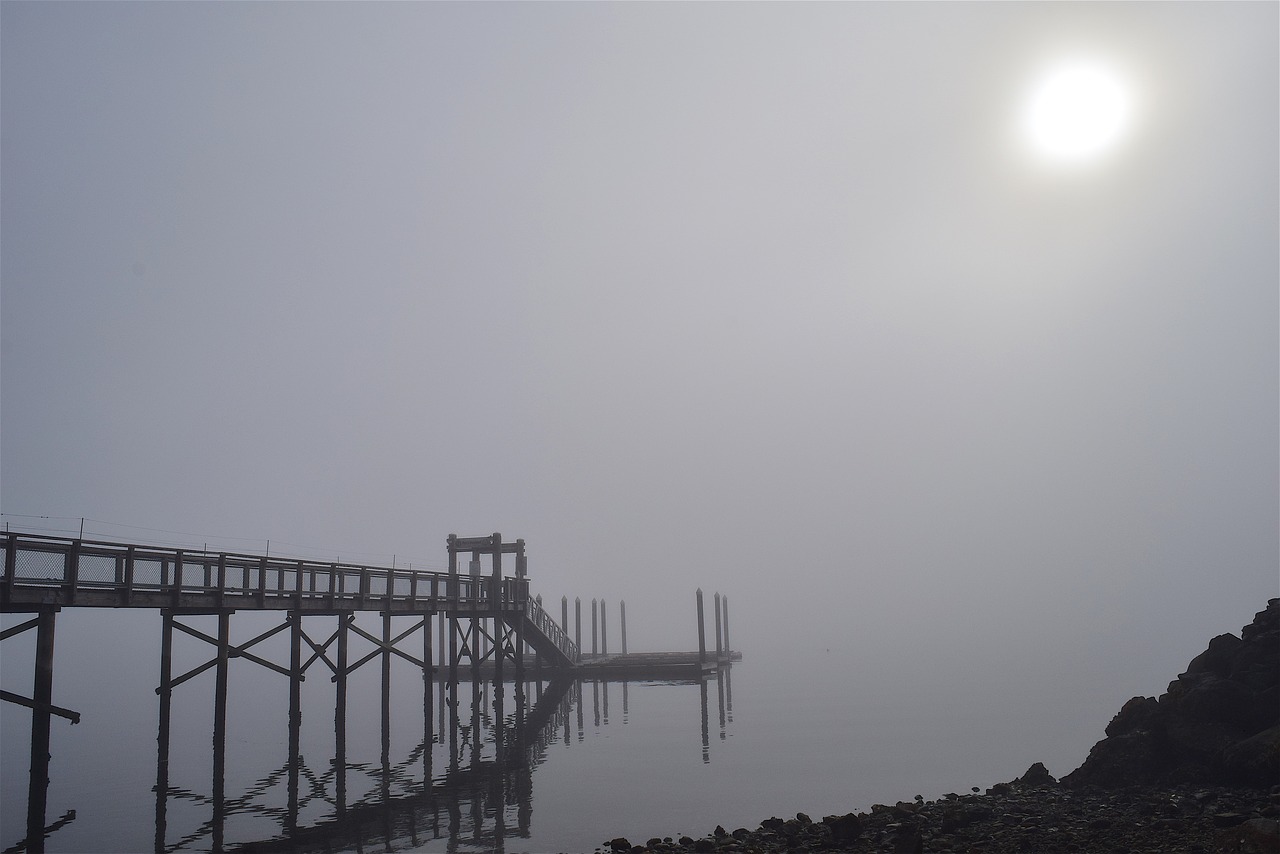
point(340, 717)
point(10, 564)
point(386, 689)
point(42, 695)
point(719, 647)
point(577, 624)
point(295, 716)
point(128, 576)
point(622, 606)
point(595, 634)
point(604, 629)
point(564, 614)
point(497, 605)
point(702, 637)
point(386, 709)
point(220, 728)
point(728, 650)
point(428, 687)
point(162, 736)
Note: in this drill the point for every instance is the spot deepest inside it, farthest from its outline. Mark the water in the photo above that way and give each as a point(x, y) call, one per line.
point(821, 733)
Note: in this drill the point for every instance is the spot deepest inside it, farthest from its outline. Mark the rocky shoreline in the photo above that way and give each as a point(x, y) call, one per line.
point(1019, 817)
point(1196, 771)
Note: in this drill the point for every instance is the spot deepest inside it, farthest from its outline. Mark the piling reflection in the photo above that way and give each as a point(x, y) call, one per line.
point(468, 783)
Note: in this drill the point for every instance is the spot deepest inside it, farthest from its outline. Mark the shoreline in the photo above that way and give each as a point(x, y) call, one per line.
point(1016, 818)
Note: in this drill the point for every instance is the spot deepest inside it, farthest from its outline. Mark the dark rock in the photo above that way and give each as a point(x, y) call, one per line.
point(1219, 722)
point(720, 832)
point(704, 846)
point(620, 844)
point(1038, 775)
point(1255, 836)
point(908, 840)
point(844, 828)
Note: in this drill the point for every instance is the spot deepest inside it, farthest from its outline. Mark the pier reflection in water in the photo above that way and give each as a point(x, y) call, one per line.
point(468, 782)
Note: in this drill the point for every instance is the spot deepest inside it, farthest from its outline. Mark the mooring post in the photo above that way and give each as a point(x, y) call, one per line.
point(577, 625)
point(728, 650)
point(564, 614)
point(702, 637)
point(622, 608)
point(604, 629)
point(595, 634)
point(719, 647)
point(42, 697)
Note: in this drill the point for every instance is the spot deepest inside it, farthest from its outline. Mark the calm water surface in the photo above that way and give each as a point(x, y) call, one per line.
point(774, 735)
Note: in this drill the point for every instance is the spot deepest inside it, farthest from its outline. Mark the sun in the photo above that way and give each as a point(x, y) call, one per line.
point(1077, 111)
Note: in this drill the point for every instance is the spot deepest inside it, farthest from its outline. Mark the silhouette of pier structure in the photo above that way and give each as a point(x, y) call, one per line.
point(488, 630)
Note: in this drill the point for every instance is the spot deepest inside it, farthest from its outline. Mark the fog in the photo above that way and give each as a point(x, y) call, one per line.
point(771, 300)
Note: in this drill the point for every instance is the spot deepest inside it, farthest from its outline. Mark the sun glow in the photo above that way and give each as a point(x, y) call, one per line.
point(1077, 112)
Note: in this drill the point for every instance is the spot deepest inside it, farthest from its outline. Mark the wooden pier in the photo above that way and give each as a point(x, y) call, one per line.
point(488, 628)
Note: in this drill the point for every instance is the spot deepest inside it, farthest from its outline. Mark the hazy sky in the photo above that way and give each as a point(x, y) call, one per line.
point(771, 299)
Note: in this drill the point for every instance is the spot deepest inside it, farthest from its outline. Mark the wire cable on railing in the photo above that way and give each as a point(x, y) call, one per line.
point(202, 541)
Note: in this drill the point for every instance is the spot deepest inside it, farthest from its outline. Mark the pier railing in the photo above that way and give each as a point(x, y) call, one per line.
point(552, 630)
point(48, 570)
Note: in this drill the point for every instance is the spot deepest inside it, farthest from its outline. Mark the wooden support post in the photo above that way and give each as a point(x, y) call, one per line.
point(340, 717)
point(622, 608)
point(577, 625)
point(428, 687)
point(222, 579)
point(162, 736)
point(604, 629)
point(128, 576)
point(386, 687)
point(386, 707)
point(176, 580)
point(497, 604)
point(42, 699)
point(702, 637)
point(71, 577)
point(564, 614)
point(295, 716)
point(10, 565)
point(719, 646)
point(220, 728)
point(441, 620)
point(595, 635)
